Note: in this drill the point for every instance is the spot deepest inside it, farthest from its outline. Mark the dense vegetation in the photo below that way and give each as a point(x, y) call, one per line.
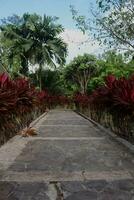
point(111, 97)
point(31, 39)
point(33, 57)
point(111, 105)
point(110, 22)
point(20, 103)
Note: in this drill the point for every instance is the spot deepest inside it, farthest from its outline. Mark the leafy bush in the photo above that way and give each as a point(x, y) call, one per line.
point(116, 95)
point(112, 105)
point(81, 99)
point(20, 103)
point(54, 100)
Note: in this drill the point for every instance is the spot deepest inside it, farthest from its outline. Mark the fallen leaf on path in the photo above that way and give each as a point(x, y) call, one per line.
point(26, 132)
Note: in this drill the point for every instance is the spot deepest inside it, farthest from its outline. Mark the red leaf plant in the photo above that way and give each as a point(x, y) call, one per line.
point(113, 101)
point(19, 102)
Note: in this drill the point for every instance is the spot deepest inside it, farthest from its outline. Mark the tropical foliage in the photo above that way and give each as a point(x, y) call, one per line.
point(100, 86)
point(111, 23)
point(51, 80)
point(32, 39)
point(20, 102)
point(112, 105)
point(87, 72)
point(80, 71)
point(108, 63)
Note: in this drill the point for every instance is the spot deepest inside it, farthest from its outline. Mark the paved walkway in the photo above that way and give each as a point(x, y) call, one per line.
point(70, 159)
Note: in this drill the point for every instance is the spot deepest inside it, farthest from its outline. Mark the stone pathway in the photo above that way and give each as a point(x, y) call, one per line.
point(69, 159)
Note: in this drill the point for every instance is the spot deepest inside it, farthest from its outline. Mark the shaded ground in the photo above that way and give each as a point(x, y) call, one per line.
point(70, 159)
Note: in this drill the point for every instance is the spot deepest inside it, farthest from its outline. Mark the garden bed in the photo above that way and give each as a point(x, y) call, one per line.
point(14, 124)
point(121, 126)
point(111, 105)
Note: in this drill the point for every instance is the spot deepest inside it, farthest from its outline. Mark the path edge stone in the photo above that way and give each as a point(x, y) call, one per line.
point(33, 123)
point(120, 140)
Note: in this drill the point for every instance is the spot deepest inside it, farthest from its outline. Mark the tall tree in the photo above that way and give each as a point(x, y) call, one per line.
point(111, 23)
point(109, 63)
point(51, 81)
point(15, 41)
point(80, 71)
point(49, 48)
point(34, 39)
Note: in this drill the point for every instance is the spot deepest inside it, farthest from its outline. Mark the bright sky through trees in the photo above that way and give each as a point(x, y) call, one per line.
point(60, 8)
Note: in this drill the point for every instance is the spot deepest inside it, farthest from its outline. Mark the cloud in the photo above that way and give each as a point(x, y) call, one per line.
point(79, 43)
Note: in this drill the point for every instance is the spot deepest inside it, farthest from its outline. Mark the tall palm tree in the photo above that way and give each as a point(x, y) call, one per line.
point(15, 42)
point(48, 47)
point(36, 40)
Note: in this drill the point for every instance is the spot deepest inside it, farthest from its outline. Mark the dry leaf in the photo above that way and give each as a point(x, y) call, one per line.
point(28, 132)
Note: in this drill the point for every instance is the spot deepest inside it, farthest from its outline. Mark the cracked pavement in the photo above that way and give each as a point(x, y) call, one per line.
point(69, 159)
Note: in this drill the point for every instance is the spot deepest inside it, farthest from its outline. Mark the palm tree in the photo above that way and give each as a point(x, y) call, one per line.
point(36, 40)
point(48, 47)
point(16, 43)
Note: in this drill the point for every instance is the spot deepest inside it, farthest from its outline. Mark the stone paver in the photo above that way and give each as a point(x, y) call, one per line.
point(69, 159)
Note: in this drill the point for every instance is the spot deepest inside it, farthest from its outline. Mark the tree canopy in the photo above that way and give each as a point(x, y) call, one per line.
point(112, 23)
point(111, 63)
point(32, 39)
point(80, 70)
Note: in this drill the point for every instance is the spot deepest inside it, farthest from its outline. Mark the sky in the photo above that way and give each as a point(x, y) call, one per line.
point(77, 42)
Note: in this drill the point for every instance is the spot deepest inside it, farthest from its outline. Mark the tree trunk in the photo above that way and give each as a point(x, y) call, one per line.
point(83, 88)
point(39, 77)
point(24, 66)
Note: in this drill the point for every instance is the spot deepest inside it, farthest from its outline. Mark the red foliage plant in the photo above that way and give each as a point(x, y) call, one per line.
point(17, 96)
point(116, 95)
point(20, 103)
point(81, 99)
